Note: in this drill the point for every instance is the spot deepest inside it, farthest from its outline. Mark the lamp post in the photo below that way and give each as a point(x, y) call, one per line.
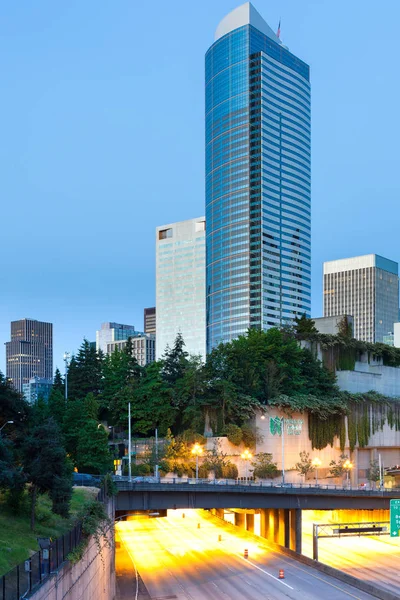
point(246, 455)
point(283, 449)
point(348, 465)
point(6, 423)
point(67, 356)
point(316, 463)
point(156, 465)
point(197, 450)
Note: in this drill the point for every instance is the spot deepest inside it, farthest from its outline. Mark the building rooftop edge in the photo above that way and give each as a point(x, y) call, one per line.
point(360, 262)
point(244, 14)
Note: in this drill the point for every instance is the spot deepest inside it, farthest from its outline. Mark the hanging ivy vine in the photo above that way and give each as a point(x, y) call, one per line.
point(366, 414)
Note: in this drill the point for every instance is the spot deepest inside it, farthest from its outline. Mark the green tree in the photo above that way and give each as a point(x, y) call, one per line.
point(175, 361)
point(374, 471)
point(47, 468)
point(304, 466)
point(12, 479)
point(336, 467)
point(92, 454)
point(304, 327)
point(56, 405)
point(85, 372)
point(151, 402)
point(121, 370)
point(234, 434)
point(58, 382)
point(264, 467)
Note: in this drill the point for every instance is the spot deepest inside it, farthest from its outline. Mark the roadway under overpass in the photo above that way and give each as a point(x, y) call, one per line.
point(280, 508)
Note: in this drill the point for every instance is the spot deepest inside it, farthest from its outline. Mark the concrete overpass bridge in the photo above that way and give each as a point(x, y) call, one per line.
point(280, 507)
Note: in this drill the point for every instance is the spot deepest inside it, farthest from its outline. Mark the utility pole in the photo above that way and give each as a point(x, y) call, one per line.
point(129, 443)
point(283, 449)
point(67, 356)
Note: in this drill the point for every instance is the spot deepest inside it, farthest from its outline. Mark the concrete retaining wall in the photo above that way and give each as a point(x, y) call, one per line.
point(92, 578)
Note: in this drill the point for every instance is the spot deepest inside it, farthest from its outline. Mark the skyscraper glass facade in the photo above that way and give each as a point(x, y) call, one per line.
point(258, 241)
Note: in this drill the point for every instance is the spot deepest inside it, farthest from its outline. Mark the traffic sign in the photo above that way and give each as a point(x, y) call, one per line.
point(395, 518)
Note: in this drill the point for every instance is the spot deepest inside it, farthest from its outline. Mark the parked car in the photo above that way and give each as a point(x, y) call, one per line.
point(86, 479)
point(145, 479)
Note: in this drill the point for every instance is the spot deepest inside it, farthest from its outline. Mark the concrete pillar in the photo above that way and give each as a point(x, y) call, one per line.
point(286, 521)
point(250, 522)
point(240, 520)
point(295, 530)
point(219, 512)
point(265, 523)
point(354, 471)
point(281, 532)
point(274, 521)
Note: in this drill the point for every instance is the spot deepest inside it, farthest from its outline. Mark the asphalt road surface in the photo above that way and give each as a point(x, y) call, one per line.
point(373, 559)
point(178, 560)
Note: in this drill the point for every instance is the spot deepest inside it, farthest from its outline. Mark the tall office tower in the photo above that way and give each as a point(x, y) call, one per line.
point(150, 320)
point(366, 287)
point(258, 248)
point(180, 285)
point(30, 352)
point(112, 332)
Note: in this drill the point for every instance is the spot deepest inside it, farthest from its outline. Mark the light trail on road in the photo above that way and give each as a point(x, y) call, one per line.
point(179, 559)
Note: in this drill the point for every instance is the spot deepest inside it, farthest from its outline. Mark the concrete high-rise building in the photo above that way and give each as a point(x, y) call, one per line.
point(150, 320)
point(112, 332)
point(30, 352)
point(143, 347)
point(180, 285)
point(258, 178)
point(366, 287)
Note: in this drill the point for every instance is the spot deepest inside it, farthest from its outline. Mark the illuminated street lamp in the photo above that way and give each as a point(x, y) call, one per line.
point(246, 455)
point(316, 463)
point(348, 465)
point(198, 451)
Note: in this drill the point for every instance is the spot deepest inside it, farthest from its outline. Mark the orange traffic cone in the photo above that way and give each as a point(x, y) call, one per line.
point(281, 574)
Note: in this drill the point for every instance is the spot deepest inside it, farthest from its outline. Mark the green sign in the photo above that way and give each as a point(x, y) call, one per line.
point(395, 518)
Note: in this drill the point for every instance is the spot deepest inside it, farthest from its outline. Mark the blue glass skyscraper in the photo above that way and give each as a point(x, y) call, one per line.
point(258, 177)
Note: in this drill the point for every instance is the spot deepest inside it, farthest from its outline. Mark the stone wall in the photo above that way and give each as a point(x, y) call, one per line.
point(92, 578)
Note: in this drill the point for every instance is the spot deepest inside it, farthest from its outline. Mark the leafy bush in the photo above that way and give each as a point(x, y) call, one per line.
point(249, 436)
point(264, 468)
point(230, 471)
point(234, 434)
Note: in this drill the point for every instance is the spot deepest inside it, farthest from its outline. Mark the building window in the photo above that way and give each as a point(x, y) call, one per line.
point(163, 234)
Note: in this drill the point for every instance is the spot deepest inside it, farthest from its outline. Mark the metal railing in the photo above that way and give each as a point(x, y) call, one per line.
point(30, 574)
point(122, 481)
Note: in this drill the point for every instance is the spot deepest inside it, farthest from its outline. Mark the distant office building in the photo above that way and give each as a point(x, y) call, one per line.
point(150, 320)
point(396, 335)
point(37, 387)
point(143, 347)
point(180, 285)
point(30, 352)
point(112, 332)
point(366, 287)
point(258, 179)
point(331, 325)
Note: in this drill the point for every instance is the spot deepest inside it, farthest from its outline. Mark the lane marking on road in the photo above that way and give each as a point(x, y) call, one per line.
point(294, 566)
point(246, 560)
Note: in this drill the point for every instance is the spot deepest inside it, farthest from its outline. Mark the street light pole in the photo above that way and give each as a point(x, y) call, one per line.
point(348, 465)
point(316, 463)
point(198, 451)
point(129, 443)
point(283, 449)
point(6, 423)
point(67, 356)
point(246, 455)
point(156, 466)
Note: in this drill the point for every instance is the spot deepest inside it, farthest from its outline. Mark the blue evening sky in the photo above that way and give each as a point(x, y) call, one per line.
point(102, 139)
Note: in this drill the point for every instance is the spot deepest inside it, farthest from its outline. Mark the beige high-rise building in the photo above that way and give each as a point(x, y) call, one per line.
point(366, 287)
